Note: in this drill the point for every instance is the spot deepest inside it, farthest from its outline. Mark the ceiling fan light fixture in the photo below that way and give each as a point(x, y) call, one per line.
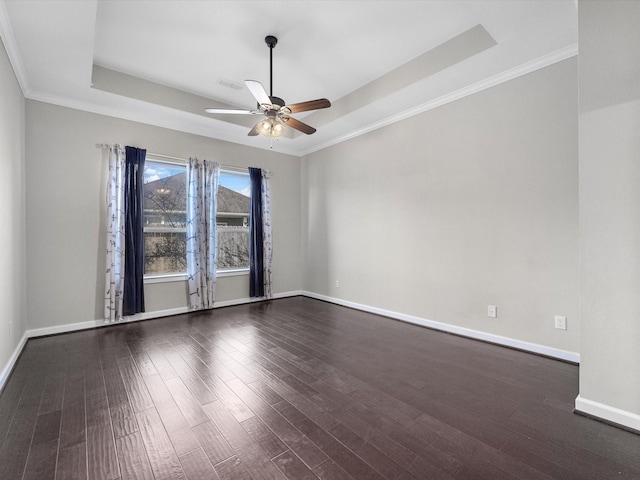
point(264, 127)
point(274, 108)
point(278, 129)
point(271, 127)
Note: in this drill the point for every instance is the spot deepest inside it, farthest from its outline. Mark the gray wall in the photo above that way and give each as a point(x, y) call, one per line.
point(470, 204)
point(12, 192)
point(66, 227)
point(610, 209)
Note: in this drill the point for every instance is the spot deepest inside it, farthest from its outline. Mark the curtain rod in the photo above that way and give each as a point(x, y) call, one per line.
point(169, 157)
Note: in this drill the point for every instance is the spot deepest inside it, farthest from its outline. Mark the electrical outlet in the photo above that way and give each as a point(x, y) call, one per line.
point(492, 311)
point(337, 283)
point(561, 322)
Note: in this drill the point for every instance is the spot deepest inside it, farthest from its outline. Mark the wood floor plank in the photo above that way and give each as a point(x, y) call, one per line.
point(292, 467)
point(197, 466)
point(73, 425)
point(251, 455)
point(188, 376)
point(231, 401)
point(393, 439)
point(132, 456)
point(72, 462)
point(141, 358)
point(41, 464)
point(135, 386)
point(15, 449)
point(265, 391)
point(422, 468)
point(207, 361)
point(177, 427)
point(53, 394)
point(264, 437)
point(122, 415)
point(10, 399)
point(232, 469)
point(347, 460)
point(162, 456)
point(187, 403)
point(101, 452)
point(468, 445)
point(302, 446)
point(160, 363)
point(310, 454)
point(296, 388)
point(371, 455)
point(340, 406)
point(47, 427)
point(330, 470)
point(213, 443)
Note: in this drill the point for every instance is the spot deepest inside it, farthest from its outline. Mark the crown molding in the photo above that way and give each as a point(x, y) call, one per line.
point(524, 69)
point(11, 47)
point(8, 38)
point(162, 121)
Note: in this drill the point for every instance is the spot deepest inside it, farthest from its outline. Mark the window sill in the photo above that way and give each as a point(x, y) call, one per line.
point(175, 277)
point(182, 277)
point(232, 273)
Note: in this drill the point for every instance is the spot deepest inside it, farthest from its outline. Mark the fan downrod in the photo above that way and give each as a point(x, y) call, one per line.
point(271, 42)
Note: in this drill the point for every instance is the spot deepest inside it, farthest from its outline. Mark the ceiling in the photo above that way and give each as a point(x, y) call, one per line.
point(378, 62)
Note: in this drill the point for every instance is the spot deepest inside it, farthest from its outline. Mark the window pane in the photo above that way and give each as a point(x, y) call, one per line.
point(233, 247)
point(165, 209)
point(165, 252)
point(165, 195)
point(233, 220)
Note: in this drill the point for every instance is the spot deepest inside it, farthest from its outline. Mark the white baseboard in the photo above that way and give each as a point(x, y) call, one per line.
point(241, 301)
point(8, 368)
point(73, 327)
point(608, 413)
point(462, 331)
point(466, 332)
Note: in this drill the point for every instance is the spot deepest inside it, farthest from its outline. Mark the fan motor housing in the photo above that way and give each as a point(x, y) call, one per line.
point(277, 101)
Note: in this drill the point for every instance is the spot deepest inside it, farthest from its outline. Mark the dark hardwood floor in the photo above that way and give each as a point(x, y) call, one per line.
point(297, 389)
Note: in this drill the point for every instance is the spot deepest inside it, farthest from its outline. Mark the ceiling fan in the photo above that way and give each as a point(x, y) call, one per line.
point(274, 109)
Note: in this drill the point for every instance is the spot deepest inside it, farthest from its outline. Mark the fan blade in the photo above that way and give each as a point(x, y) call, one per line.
point(258, 91)
point(298, 125)
point(231, 111)
point(254, 131)
point(310, 105)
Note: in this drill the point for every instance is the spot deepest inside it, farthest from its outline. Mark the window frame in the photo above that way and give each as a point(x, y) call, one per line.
point(169, 277)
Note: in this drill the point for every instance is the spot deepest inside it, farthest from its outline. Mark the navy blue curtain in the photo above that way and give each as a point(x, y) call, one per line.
point(256, 267)
point(133, 296)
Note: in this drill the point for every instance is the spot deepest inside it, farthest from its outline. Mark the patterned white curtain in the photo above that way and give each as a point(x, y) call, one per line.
point(202, 242)
point(115, 236)
point(266, 233)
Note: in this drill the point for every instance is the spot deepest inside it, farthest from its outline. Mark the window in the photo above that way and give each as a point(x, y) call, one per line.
point(165, 218)
point(165, 215)
point(232, 220)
